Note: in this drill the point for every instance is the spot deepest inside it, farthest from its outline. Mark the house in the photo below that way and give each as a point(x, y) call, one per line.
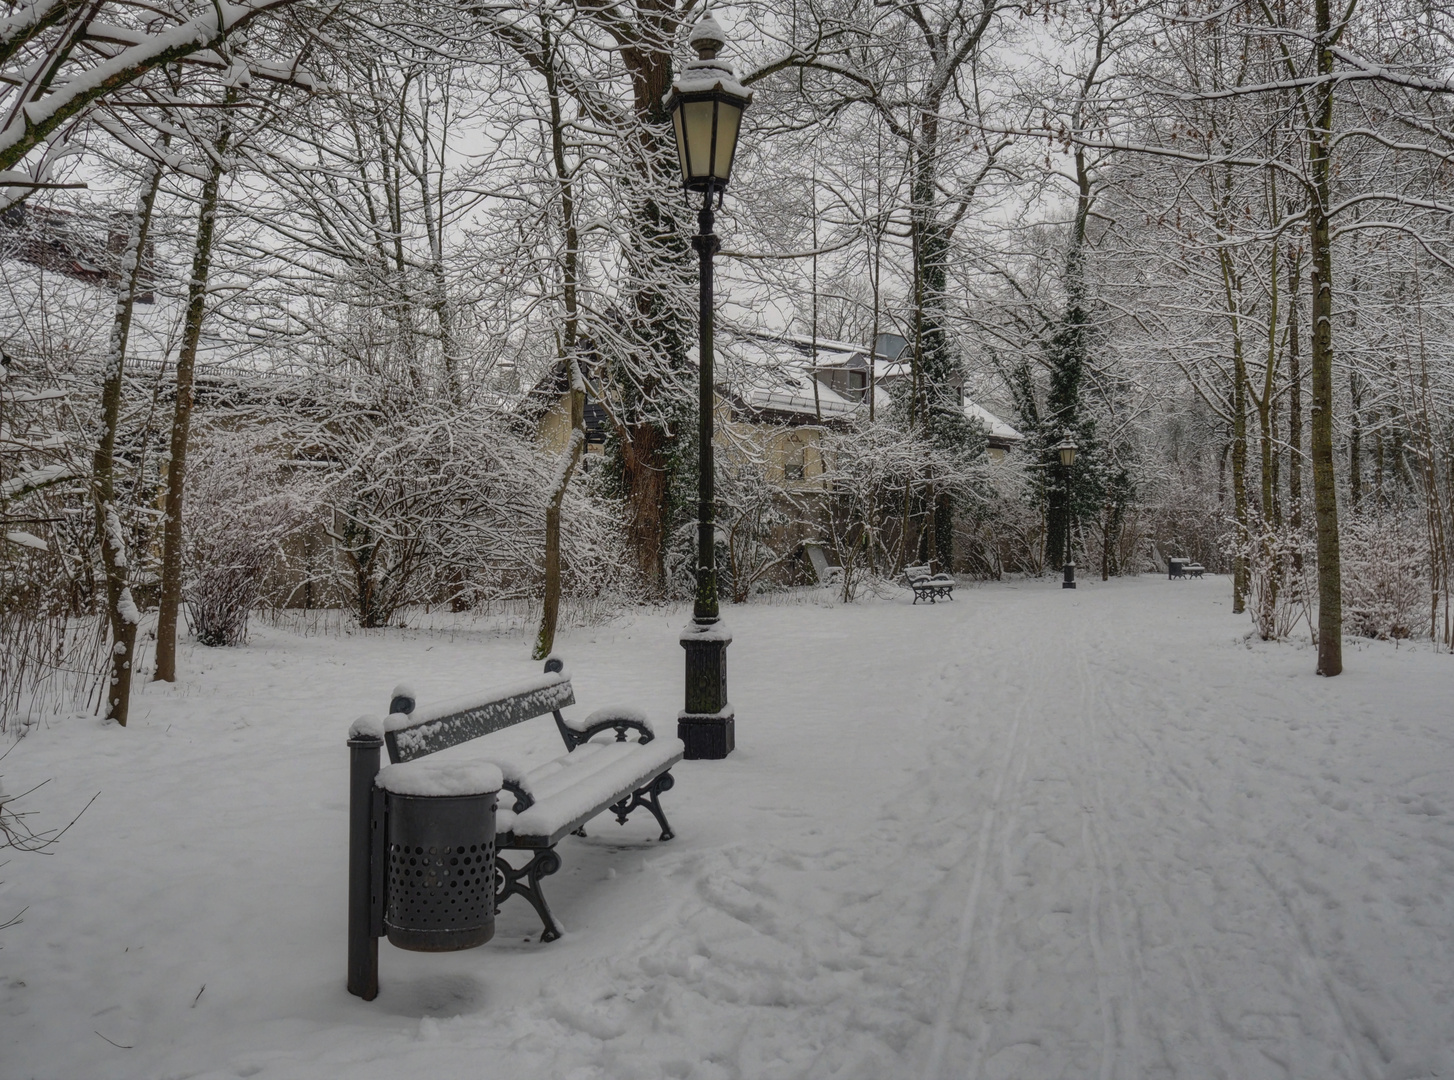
point(777, 375)
point(84, 247)
point(778, 393)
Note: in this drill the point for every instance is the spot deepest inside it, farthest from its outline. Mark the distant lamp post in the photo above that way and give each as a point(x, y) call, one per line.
point(706, 104)
point(1066, 448)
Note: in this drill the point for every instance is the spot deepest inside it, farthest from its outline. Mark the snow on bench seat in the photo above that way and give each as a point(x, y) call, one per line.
point(576, 786)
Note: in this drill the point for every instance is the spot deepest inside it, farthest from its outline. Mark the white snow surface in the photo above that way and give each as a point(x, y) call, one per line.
point(25, 539)
point(1028, 834)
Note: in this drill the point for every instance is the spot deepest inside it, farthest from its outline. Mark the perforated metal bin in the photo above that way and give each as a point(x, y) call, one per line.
point(439, 867)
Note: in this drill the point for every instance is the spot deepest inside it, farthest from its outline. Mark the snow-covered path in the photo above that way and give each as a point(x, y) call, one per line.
point(1029, 834)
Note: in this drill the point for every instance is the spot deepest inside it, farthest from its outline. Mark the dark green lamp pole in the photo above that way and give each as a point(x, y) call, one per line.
point(706, 103)
point(1066, 448)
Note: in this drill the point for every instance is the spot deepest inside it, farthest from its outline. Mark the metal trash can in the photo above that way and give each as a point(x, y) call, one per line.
point(439, 854)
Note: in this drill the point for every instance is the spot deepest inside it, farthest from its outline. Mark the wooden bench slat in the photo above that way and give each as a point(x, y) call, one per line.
point(551, 818)
point(411, 736)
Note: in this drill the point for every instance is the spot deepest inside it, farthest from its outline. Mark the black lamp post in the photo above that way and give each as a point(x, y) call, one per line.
point(706, 103)
point(1066, 448)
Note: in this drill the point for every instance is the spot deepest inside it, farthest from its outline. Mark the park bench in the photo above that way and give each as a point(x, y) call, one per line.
point(1179, 567)
point(928, 585)
point(556, 799)
point(538, 805)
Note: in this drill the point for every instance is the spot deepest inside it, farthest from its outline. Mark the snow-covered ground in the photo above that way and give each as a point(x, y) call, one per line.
point(1028, 834)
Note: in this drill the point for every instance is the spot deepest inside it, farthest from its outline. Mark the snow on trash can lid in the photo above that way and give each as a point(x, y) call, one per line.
point(441, 778)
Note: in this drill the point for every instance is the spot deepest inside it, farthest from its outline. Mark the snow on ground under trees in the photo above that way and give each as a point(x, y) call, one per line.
point(1027, 834)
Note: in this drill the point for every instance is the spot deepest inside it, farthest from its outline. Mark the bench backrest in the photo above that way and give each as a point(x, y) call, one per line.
point(410, 735)
point(916, 573)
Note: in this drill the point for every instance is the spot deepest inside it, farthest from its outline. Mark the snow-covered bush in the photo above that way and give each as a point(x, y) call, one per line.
point(1003, 532)
point(445, 504)
point(1385, 563)
point(1280, 562)
point(245, 498)
point(50, 652)
point(876, 472)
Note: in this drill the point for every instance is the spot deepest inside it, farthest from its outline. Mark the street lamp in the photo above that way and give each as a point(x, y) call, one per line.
point(706, 104)
point(1066, 448)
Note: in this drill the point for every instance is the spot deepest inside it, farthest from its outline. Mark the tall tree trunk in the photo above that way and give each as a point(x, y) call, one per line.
point(1239, 477)
point(1270, 563)
point(1325, 494)
point(1295, 407)
point(1232, 290)
point(660, 254)
point(571, 455)
point(1355, 442)
point(121, 610)
point(171, 592)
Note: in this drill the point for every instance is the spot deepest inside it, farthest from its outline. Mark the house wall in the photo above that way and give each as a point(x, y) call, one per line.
point(792, 456)
point(554, 431)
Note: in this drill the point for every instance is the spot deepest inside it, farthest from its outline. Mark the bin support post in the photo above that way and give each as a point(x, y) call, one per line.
point(363, 944)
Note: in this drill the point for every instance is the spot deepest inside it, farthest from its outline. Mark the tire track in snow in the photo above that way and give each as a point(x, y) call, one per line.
point(1317, 970)
point(1105, 903)
point(1311, 971)
point(962, 953)
point(1214, 1031)
point(993, 967)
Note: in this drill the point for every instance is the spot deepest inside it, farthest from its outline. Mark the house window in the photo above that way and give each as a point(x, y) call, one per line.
point(794, 458)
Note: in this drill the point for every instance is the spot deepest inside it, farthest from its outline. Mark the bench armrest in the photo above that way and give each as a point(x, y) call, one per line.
point(523, 799)
point(612, 718)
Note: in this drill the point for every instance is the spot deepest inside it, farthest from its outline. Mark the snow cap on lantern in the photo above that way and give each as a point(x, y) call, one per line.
point(706, 103)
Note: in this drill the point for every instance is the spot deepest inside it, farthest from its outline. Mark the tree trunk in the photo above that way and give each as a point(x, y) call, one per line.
point(571, 456)
point(1325, 495)
point(171, 592)
point(1355, 443)
point(1239, 478)
point(1295, 409)
point(121, 610)
point(646, 486)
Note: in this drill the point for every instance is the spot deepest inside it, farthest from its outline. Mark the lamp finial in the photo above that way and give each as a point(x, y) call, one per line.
point(707, 37)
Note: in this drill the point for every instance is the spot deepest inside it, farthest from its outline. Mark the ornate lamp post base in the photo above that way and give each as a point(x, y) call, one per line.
point(706, 725)
point(1069, 582)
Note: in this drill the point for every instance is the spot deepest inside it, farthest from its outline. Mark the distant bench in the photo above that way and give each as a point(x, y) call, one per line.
point(1183, 568)
point(555, 799)
point(928, 585)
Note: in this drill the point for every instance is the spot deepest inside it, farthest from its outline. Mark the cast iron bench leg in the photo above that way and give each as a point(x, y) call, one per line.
point(649, 797)
point(508, 883)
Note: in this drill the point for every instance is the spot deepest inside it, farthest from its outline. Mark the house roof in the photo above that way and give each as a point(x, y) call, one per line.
point(773, 374)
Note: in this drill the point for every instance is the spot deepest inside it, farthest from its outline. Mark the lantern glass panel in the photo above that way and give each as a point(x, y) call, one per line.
point(696, 122)
point(729, 117)
point(676, 123)
point(1067, 454)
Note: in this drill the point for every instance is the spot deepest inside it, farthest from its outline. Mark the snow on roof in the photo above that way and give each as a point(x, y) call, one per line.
point(995, 427)
point(774, 373)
